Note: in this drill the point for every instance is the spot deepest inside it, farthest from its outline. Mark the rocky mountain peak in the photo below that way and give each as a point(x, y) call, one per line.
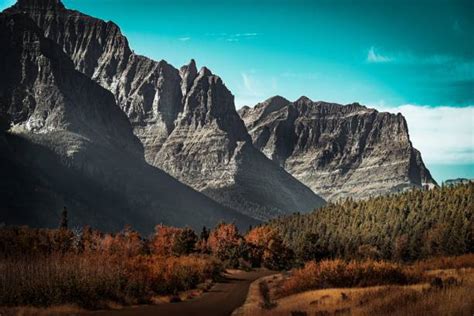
point(338, 150)
point(49, 5)
point(262, 110)
point(51, 96)
point(303, 99)
point(190, 67)
point(205, 72)
point(276, 99)
point(274, 103)
point(188, 73)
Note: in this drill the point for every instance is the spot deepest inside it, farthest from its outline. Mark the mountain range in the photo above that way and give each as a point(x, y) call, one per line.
point(123, 139)
point(339, 151)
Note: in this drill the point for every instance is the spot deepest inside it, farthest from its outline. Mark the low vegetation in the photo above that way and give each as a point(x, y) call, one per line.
point(338, 274)
point(91, 280)
point(383, 242)
point(424, 289)
point(46, 267)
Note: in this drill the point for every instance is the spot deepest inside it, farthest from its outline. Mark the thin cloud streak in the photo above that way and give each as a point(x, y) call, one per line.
point(374, 57)
point(254, 89)
point(446, 67)
point(234, 37)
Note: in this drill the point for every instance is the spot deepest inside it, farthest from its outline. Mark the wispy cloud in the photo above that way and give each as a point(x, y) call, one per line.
point(184, 39)
point(444, 135)
point(300, 75)
point(375, 57)
point(444, 67)
point(246, 34)
point(234, 37)
point(254, 88)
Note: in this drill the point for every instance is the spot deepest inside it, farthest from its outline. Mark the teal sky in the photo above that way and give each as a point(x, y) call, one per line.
point(384, 54)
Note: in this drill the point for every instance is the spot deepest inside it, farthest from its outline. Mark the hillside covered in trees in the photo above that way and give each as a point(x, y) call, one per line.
point(408, 226)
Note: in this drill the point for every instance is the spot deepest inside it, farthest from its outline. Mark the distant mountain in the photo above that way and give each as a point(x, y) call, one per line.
point(70, 144)
point(457, 181)
point(185, 119)
point(338, 151)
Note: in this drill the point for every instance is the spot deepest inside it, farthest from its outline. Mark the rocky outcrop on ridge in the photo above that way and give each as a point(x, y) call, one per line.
point(337, 150)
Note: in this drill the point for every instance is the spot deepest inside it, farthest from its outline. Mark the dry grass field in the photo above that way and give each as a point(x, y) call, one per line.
point(442, 291)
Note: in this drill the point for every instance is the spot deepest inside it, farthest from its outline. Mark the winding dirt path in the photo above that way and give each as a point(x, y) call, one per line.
point(222, 299)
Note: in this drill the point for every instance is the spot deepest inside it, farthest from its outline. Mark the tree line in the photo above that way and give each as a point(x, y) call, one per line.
point(260, 246)
point(405, 227)
point(402, 227)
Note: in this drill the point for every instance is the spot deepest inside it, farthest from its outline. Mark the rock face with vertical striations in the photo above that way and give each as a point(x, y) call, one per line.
point(211, 150)
point(185, 119)
point(70, 144)
point(338, 151)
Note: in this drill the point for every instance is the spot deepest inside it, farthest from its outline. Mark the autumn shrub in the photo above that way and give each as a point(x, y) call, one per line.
point(456, 262)
point(339, 273)
point(57, 279)
point(168, 275)
point(444, 299)
point(173, 241)
point(21, 241)
point(226, 244)
point(266, 248)
point(91, 279)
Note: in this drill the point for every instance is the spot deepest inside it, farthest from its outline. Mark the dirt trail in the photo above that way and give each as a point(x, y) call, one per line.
point(222, 299)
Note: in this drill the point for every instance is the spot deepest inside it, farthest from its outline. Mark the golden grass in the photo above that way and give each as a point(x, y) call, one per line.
point(417, 299)
point(447, 291)
point(254, 302)
point(339, 273)
point(456, 262)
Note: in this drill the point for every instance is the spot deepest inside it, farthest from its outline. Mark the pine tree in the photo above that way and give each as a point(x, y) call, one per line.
point(64, 221)
point(204, 234)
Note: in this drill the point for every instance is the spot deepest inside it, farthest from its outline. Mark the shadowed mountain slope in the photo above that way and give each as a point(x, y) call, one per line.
point(70, 144)
point(185, 119)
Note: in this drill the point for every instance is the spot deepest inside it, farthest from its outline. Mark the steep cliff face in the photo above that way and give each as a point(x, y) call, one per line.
point(70, 143)
point(185, 119)
point(147, 91)
point(338, 151)
point(210, 150)
point(42, 92)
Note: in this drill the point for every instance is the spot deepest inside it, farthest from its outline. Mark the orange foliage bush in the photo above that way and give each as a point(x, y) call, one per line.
point(339, 273)
point(456, 262)
point(128, 243)
point(168, 275)
point(90, 279)
point(226, 243)
point(261, 236)
point(265, 247)
point(45, 267)
point(168, 241)
point(22, 241)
